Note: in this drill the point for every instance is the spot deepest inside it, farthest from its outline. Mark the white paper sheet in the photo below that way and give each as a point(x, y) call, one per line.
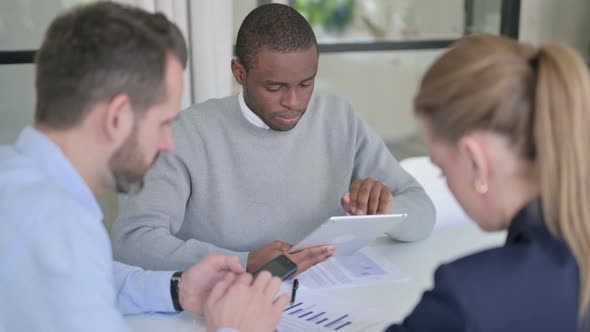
point(319, 313)
point(364, 267)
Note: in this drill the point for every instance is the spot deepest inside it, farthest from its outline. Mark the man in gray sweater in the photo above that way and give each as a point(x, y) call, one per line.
point(253, 174)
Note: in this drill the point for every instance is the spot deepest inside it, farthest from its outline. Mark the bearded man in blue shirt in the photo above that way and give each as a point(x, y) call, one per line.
point(109, 84)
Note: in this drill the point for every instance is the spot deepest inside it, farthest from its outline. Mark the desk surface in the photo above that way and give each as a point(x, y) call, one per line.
point(418, 259)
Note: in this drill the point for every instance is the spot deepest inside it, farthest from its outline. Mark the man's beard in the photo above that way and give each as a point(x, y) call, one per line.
point(128, 167)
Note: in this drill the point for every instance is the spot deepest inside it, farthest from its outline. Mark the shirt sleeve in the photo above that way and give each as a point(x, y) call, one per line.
point(140, 291)
point(70, 273)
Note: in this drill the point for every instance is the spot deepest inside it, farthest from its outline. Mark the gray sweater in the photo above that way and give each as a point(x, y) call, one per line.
point(231, 187)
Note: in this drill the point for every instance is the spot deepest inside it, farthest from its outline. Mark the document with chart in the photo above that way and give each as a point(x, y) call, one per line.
point(319, 313)
point(362, 268)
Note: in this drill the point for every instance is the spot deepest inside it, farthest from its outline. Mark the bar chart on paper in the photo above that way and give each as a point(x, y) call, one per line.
point(321, 314)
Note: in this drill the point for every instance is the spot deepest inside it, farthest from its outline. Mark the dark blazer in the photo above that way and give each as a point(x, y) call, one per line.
point(529, 284)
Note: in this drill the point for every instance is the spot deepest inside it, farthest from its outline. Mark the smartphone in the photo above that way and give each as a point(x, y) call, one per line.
point(281, 267)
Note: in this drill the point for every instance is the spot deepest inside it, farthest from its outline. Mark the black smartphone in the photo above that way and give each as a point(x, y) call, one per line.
point(281, 267)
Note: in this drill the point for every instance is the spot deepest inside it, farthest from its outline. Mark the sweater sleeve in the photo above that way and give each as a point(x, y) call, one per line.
point(373, 159)
point(143, 235)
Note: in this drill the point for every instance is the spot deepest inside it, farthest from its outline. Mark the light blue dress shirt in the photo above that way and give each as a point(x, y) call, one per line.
point(56, 267)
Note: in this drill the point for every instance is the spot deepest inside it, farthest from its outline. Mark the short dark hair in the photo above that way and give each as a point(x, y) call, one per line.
point(276, 27)
point(95, 52)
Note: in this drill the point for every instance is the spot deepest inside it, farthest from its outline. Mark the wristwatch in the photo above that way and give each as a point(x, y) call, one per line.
point(174, 281)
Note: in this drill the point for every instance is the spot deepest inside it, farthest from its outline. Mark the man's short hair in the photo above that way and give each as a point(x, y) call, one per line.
point(276, 27)
point(93, 53)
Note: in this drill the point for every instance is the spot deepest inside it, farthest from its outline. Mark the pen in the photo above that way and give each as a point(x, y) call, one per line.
point(294, 291)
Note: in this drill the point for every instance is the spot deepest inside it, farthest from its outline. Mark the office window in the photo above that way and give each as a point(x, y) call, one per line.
point(374, 20)
point(22, 24)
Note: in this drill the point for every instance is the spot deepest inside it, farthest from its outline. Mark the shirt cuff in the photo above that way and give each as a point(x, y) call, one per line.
point(157, 290)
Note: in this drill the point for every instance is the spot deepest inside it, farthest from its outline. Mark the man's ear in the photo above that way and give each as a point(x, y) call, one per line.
point(474, 153)
point(118, 120)
point(239, 71)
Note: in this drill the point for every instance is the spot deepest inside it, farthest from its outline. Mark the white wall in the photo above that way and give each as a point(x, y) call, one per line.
point(566, 21)
point(381, 86)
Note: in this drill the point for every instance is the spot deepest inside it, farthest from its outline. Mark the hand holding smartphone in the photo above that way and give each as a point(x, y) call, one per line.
point(281, 267)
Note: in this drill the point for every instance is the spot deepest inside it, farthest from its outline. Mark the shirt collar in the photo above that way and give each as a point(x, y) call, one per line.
point(249, 115)
point(49, 157)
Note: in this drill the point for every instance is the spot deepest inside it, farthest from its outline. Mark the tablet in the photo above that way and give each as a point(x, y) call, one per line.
point(348, 234)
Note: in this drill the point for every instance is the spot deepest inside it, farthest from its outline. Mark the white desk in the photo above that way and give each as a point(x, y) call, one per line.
point(418, 259)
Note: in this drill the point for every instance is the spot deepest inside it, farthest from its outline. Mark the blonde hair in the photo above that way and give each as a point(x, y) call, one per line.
point(540, 100)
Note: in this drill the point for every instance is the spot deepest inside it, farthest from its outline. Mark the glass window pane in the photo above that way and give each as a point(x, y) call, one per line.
point(384, 20)
point(23, 22)
point(22, 25)
point(485, 16)
point(17, 98)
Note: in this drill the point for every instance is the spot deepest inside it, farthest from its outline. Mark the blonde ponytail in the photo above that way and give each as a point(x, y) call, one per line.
point(562, 143)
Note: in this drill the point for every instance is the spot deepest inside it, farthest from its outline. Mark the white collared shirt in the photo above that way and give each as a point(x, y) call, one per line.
point(249, 115)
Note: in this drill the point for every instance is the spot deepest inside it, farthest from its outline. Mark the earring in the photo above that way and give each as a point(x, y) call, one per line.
point(480, 186)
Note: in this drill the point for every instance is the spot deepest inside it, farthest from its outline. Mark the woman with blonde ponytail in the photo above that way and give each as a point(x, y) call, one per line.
point(509, 125)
